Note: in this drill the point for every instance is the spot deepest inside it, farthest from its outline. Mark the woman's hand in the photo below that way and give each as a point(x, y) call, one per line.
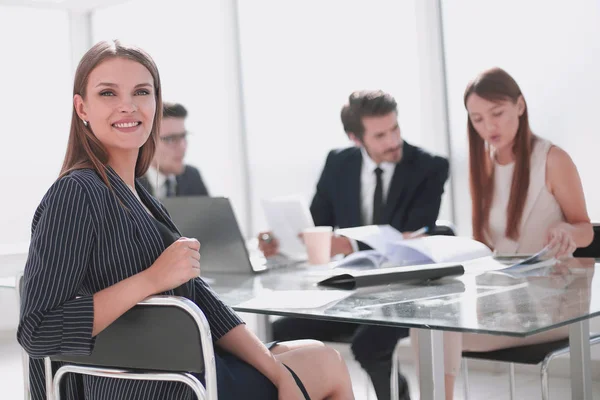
point(287, 387)
point(179, 263)
point(560, 239)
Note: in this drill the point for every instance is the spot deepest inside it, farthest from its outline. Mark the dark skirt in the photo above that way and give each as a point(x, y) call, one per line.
point(238, 380)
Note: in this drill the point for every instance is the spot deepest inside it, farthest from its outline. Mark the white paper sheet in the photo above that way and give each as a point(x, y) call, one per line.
point(361, 259)
point(376, 236)
point(299, 299)
point(288, 217)
point(482, 265)
point(437, 249)
point(490, 264)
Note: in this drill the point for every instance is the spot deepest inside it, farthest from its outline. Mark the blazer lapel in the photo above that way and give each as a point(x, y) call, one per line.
point(403, 176)
point(180, 185)
point(156, 208)
point(135, 209)
point(143, 180)
point(352, 188)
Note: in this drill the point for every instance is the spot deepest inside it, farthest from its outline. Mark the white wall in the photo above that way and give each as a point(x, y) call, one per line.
point(191, 42)
point(35, 110)
point(299, 67)
point(552, 49)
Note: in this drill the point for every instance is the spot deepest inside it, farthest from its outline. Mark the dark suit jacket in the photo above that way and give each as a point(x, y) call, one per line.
point(413, 200)
point(189, 183)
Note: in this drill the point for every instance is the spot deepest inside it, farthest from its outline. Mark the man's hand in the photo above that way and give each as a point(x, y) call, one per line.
point(268, 244)
point(340, 245)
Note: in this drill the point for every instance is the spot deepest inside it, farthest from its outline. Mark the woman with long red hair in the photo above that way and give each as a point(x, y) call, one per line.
point(526, 194)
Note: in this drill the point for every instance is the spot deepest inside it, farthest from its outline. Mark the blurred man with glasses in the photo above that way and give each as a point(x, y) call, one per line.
point(168, 176)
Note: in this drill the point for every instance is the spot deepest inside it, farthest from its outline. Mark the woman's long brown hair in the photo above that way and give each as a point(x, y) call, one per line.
point(84, 150)
point(497, 85)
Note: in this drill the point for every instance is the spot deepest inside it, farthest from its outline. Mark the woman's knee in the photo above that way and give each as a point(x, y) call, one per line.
point(330, 361)
point(284, 347)
point(321, 368)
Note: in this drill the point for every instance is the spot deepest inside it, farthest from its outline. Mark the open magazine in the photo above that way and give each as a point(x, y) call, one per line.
point(534, 265)
point(390, 249)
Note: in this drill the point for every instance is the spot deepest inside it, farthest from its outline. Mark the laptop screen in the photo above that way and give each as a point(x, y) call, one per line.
point(211, 220)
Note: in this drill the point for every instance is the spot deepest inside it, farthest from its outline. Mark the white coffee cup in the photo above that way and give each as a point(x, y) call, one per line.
point(318, 244)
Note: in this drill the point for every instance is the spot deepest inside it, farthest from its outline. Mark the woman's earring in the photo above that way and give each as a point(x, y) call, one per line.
point(84, 122)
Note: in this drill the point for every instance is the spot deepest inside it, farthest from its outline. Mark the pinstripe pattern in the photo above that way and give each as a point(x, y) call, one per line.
point(85, 239)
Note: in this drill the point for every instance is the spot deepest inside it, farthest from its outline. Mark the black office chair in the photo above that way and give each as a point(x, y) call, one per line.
point(444, 228)
point(163, 338)
point(593, 250)
point(542, 353)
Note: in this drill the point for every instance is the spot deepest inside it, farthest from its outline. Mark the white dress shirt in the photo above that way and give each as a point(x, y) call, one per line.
point(157, 180)
point(368, 182)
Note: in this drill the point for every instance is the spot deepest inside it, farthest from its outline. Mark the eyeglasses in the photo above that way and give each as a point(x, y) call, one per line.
point(174, 139)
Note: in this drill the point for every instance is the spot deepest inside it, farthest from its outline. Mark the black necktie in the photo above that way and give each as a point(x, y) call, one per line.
point(170, 188)
point(378, 198)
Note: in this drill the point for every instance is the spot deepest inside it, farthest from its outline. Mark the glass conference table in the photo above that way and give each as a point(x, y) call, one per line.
point(480, 301)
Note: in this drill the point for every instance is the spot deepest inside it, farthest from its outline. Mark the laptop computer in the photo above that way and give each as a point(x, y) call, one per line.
point(211, 220)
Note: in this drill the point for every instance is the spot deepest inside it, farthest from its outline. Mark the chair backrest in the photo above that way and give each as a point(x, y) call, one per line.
point(444, 228)
point(593, 250)
point(152, 336)
point(24, 355)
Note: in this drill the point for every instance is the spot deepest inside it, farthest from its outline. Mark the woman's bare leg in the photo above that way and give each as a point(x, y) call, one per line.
point(321, 369)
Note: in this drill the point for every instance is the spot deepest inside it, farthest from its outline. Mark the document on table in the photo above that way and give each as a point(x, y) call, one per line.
point(298, 299)
point(539, 257)
point(390, 249)
point(376, 236)
point(287, 217)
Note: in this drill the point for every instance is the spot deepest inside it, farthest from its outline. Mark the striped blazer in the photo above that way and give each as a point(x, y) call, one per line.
point(85, 238)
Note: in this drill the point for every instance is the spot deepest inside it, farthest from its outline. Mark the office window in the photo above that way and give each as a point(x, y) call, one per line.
point(191, 43)
point(301, 60)
point(551, 49)
point(36, 106)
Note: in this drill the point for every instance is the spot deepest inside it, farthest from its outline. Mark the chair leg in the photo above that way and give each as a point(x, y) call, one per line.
point(465, 378)
point(367, 386)
point(25, 359)
point(394, 380)
point(511, 380)
point(546, 364)
point(49, 379)
point(544, 378)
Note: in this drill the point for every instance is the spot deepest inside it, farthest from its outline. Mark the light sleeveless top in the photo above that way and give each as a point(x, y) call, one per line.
point(541, 208)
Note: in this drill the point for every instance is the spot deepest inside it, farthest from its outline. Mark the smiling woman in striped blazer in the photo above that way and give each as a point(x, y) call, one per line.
point(100, 244)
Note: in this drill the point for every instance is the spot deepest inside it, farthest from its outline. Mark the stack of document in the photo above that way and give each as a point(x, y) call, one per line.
point(391, 249)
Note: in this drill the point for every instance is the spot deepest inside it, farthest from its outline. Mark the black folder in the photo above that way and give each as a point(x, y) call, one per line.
point(384, 276)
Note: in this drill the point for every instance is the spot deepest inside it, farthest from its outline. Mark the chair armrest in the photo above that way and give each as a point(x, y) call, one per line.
point(161, 333)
